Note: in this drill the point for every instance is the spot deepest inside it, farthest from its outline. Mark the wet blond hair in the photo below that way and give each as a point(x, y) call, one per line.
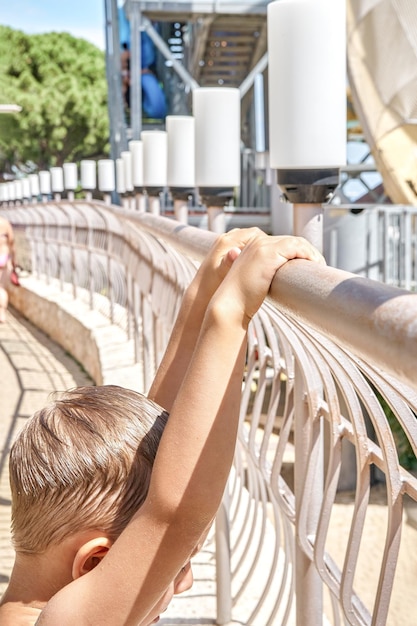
point(83, 462)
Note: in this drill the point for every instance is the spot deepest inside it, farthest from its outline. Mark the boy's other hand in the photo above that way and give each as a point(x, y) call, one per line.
point(252, 265)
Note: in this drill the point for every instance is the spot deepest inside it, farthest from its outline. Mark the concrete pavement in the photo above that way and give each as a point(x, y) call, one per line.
point(31, 367)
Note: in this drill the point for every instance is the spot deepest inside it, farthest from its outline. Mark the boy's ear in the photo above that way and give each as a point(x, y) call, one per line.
point(89, 555)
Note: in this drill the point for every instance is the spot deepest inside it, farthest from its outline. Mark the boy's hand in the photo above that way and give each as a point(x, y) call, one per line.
point(220, 258)
point(252, 267)
point(228, 246)
point(212, 274)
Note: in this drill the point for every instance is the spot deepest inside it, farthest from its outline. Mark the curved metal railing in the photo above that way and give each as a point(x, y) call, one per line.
point(328, 408)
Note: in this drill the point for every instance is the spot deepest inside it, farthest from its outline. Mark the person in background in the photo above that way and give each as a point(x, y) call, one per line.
point(7, 264)
point(125, 62)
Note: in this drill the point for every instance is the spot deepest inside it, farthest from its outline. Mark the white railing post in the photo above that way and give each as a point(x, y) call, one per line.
point(70, 179)
point(181, 162)
point(223, 562)
point(136, 148)
point(106, 178)
point(45, 184)
point(217, 149)
point(155, 160)
point(308, 585)
point(88, 177)
point(121, 182)
point(57, 182)
point(126, 157)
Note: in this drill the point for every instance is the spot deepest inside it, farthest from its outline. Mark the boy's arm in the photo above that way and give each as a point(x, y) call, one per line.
point(193, 459)
point(183, 339)
point(186, 330)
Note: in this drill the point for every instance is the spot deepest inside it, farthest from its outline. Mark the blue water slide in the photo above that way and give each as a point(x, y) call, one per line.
point(153, 97)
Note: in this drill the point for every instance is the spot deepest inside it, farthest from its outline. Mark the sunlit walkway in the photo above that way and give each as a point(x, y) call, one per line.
point(31, 367)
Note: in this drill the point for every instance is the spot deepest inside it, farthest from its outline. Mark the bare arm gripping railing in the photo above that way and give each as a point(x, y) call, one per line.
point(330, 376)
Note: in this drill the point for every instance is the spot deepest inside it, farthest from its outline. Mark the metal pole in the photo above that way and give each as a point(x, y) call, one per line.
point(135, 70)
point(223, 565)
point(250, 78)
point(308, 223)
point(259, 102)
point(181, 210)
point(308, 585)
point(308, 190)
point(216, 219)
point(118, 141)
point(406, 256)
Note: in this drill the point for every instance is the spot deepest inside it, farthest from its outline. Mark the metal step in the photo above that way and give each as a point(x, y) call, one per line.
point(226, 48)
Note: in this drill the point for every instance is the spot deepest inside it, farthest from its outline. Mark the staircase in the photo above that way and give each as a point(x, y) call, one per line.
point(225, 48)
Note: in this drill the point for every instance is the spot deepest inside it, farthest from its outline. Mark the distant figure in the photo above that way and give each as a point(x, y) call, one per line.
point(154, 104)
point(7, 263)
point(125, 63)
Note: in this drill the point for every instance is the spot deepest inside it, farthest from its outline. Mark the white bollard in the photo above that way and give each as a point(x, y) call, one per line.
point(136, 149)
point(106, 178)
point(57, 182)
point(181, 162)
point(155, 148)
point(18, 191)
point(34, 186)
point(217, 137)
point(217, 148)
point(45, 184)
point(26, 189)
point(307, 83)
point(120, 176)
point(88, 177)
point(126, 157)
point(4, 193)
point(121, 182)
point(11, 191)
point(307, 118)
point(70, 179)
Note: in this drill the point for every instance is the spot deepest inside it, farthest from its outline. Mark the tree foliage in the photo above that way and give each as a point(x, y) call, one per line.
point(60, 83)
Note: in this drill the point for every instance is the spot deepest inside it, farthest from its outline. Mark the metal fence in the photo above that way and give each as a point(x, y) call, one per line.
point(377, 241)
point(329, 407)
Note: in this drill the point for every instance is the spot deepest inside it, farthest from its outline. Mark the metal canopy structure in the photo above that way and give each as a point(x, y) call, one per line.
point(227, 39)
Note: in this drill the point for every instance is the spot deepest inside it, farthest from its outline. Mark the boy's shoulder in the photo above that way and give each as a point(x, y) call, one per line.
point(14, 614)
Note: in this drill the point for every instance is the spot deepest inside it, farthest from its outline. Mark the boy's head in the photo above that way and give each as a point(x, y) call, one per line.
point(82, 463)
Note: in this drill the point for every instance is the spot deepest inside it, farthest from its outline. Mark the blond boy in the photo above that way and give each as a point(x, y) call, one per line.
point(110, 503)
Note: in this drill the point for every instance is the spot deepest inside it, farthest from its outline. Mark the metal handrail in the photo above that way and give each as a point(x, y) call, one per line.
point(329, 378)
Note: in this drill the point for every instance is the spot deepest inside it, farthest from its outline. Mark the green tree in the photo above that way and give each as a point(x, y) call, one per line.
point(60, 83)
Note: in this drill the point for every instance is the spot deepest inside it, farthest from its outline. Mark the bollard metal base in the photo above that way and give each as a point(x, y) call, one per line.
point(308, 186)
point(153, 191)
point(215, 196)
point(182, 193)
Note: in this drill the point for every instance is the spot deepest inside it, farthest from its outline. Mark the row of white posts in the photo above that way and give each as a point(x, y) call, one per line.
point(199, 151)
point(307, 131)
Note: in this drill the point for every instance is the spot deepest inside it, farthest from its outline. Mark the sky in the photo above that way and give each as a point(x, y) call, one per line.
point(80, 18)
